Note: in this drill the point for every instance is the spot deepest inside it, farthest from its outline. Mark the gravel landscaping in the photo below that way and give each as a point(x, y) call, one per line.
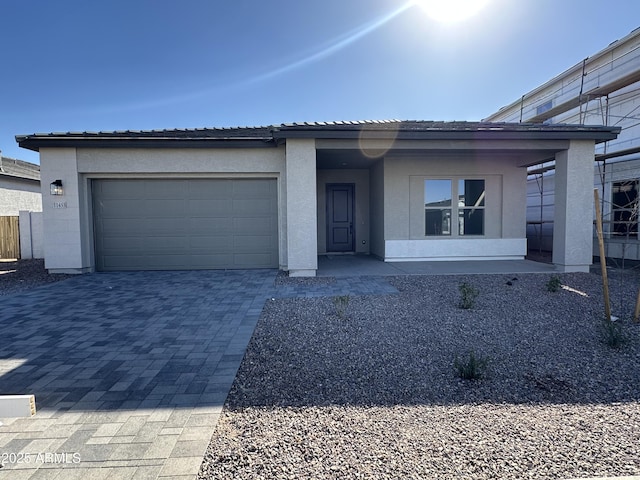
point(369, 390)
point(20, 275)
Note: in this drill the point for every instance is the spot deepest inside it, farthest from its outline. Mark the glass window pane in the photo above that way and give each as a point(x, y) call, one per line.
point(471, 221)
point(625, 207)
point(437, 193)
point(437, 221)
point(471, 193)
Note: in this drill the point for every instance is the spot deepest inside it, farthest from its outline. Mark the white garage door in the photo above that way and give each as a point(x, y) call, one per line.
point(185, 224)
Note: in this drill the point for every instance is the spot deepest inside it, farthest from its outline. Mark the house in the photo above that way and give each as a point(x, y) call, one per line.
point(601, 89)
point(279, 196)
point(19, 187)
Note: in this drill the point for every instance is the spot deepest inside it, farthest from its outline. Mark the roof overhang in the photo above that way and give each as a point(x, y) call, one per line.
point(272, 136)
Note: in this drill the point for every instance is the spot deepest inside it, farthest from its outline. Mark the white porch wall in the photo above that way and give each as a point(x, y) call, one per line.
point(455, 249)
point(301, 215)
point(573, 213)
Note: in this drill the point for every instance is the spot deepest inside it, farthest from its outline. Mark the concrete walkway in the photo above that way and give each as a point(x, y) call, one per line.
point(131, 370)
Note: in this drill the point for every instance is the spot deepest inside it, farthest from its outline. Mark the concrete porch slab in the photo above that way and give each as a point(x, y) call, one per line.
point(364, 265)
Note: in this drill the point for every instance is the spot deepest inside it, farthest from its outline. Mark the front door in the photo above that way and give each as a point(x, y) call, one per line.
point(340, 230)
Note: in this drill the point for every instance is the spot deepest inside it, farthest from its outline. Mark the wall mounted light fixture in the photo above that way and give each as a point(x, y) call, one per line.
point(56, 188)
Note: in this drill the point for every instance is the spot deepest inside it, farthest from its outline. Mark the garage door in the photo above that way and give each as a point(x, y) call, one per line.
point(185, 224)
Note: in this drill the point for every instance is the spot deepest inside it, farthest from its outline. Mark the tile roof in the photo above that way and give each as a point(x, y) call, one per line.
point(10, 167)
point(269, 135)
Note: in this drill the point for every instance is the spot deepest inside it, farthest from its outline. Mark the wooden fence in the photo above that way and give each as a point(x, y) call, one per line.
point(9, 237)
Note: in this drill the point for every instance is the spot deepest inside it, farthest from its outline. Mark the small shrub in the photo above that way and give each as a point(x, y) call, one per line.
point(554, 284)
point(612, 334)
point(470, 367)
point(468, 296)
point(340, 303)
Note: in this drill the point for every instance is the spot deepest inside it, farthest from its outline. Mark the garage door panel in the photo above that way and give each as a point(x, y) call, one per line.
point(247, 208)
point(209, 207)
point(246, 260)
point(117, 189)
point(165, 226)
point(122, 226)
point(159, 224)
point(164, 189)
point(251, 225)
point(252, 188)
point(247, 244)
point(218, 244)
point(134, 244)
point(211, 226)
point(121, 208)
point(204, 190)
point(165, 208)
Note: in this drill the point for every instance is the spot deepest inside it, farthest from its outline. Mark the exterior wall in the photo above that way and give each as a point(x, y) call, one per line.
point(31, 235)
point(376, 207)
point(17, 194)
point(301, 211)
point(360, 178)
point(404, 208)
point(573, 226)
point(69, 230)
point(65, 225)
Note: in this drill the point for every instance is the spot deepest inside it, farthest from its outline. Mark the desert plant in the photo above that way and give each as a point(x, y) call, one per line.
point(468, 295)
point(341, 302)
point(612, 334)
point(554, 284)
point(471, 367)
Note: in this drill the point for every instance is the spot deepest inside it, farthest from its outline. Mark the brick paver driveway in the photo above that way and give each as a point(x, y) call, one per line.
point(130, 370)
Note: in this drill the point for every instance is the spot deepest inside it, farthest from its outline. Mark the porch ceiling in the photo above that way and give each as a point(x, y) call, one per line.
point(356, 159)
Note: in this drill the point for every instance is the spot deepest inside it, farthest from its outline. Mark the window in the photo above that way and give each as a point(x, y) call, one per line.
point(471, 207)
point(440, 209)
point(437, 207)
point(624, 208)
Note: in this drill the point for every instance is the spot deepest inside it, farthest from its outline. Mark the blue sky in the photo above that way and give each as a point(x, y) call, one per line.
point(76, 65)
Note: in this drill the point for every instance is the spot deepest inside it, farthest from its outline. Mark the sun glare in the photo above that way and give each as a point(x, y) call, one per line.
point(451, 11)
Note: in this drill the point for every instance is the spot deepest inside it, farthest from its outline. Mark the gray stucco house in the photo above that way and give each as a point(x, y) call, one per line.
point(19, 187)
point(279, 196)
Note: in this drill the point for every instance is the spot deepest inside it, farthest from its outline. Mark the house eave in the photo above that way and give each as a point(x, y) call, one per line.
point(35, 142)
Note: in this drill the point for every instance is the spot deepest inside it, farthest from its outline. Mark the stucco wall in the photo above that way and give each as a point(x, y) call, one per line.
point(301, 207)
point(505, 223)
point(17, 194)
point(68, 222)
point(31, 235)
point(360, 178)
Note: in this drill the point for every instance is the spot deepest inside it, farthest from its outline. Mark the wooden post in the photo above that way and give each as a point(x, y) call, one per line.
point(603, 260)
point(636, 315)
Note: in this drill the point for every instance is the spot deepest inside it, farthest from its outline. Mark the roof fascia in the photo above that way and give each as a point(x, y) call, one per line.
point(35, 142)
point(599, 135)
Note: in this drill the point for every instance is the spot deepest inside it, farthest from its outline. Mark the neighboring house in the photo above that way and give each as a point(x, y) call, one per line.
point(279, 196)
point(603, 89)
point(19, 187)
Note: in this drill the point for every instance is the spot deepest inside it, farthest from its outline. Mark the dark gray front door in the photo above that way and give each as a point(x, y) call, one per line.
point(340, 230)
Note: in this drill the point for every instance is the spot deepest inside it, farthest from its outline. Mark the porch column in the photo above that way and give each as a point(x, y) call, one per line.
point(573, 211)
point(65, 234)
point(302, 241)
